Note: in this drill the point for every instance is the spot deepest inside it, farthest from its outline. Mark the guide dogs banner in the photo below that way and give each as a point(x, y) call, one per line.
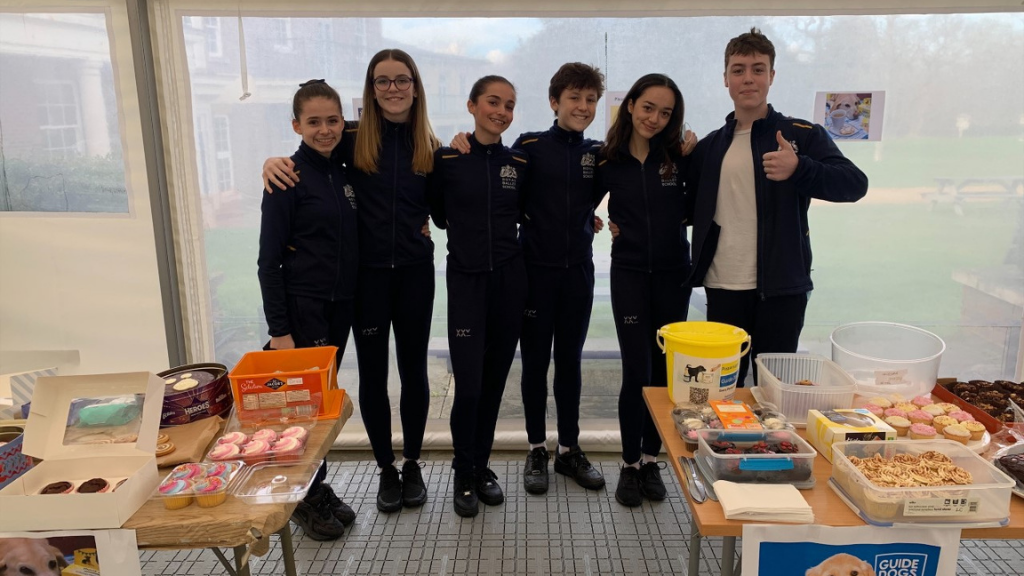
point(858, 551)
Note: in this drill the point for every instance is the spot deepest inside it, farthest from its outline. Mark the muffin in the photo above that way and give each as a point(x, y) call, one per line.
point(921, 432)
point(940, 422)
point(177, 493)
point(210, 491)
point(920, 417)
point(956, 432)
point(977, 429)
point(94, 486)
point(901, 424)
point(61, 487)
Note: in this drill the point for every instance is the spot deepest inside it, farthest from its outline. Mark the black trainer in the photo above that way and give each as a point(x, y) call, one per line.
point(317, 521)
point(574, 463)
point(465, 499)
point(650, 481)
point(389, 490)
point(343, 512)
point(487, 488)
point(535, 477)
point(414, 491)
point(628, 491)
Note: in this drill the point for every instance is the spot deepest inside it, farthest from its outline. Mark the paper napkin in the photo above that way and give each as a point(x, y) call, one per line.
point(763, 502)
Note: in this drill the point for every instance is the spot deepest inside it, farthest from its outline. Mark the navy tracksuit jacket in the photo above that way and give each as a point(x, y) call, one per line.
point(476, 198)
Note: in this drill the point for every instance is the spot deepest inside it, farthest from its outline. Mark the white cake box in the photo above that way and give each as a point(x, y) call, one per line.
point(74, 452)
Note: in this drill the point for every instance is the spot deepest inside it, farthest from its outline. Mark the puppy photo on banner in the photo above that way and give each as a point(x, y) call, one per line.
point(71, 553)
point(850, 115)
point(856, 551)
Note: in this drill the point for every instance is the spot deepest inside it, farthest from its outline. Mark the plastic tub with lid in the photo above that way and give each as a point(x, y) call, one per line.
point(886, 358)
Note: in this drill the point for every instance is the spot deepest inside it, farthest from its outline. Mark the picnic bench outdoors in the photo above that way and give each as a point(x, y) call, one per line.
point(959, 190)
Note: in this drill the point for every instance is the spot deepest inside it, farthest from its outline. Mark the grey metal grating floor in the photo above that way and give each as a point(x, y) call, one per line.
point(570, 531)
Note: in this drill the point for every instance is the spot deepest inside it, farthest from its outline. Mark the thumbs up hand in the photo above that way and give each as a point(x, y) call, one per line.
point(780, 165)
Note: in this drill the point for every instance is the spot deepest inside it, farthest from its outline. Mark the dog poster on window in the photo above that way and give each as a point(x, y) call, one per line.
point(854, 551)
point(73, 553)
point(850, 115)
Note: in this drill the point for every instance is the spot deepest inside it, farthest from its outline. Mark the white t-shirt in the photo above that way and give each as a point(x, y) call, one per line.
point(734, 266)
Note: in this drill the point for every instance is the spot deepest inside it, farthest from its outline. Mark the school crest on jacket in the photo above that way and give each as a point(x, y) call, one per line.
point(508, 177)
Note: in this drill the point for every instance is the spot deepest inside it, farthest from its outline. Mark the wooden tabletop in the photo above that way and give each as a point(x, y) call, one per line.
point(828, 508)
point(233, 523)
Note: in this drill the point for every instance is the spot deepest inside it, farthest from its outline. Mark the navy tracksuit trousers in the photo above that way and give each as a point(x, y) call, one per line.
point(558, 306)
point(642, 302)
point(402, 297)
point(485, 315)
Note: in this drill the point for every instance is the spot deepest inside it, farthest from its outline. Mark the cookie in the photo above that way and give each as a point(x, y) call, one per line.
point(164, 449)
point(163, 438)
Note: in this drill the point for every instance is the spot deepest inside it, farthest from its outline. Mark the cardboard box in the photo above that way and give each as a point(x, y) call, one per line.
point(16, 390)
point(844, 425)
point(21, 505)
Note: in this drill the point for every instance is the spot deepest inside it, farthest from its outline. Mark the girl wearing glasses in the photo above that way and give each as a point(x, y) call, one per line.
point(389, 158)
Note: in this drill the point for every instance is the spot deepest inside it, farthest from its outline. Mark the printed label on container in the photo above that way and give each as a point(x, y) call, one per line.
point(294, 381)
point(250, 402)
point(300, 395)
point(891, 377)
point(940, 506)
point(698, 380)
point(273, 400)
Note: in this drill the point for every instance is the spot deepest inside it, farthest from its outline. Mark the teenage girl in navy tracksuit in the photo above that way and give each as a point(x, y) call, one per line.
point(650, 262)
point(476, 197)
point(389, 157)
point(308, 259)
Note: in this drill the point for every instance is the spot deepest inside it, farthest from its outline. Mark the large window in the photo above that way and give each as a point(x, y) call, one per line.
point(61, 141)
point(938, 242)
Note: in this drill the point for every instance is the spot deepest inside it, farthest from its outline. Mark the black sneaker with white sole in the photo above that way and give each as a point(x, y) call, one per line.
point(535, 476)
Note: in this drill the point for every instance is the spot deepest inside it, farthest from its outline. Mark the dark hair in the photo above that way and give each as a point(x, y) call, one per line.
point(313, 89)
point(480, 85)
point(750, 43)
point(622, 127)
point(576, 75)
point(368, 137)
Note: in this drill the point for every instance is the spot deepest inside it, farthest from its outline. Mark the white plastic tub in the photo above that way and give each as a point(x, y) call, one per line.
point(886, 358)
point(778, 374)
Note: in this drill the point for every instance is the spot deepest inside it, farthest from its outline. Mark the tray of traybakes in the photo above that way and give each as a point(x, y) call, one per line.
point(920, 482)
point(993, 398)
point(1011, 461)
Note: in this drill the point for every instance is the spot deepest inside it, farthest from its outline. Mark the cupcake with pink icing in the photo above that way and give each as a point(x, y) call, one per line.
point(177, 493)
point(225, 451)
point(287, 449)
point(265, 434)
point(895, 412)
point(237, 438)
point(186, 471)
point(920, 417)
point(221, 469)
point(875, 409)
point(921, 432)
point(297, 432)
point(256, 451)
point(210, 491)
point(923, 400)
point(961, 416)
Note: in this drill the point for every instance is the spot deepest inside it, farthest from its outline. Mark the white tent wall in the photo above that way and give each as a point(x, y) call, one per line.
point(88, 282)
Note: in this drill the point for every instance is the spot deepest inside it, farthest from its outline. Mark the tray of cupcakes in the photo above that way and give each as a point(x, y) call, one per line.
point(690, 419)
point(205, 483)
point(257, 441)
point(927, 417)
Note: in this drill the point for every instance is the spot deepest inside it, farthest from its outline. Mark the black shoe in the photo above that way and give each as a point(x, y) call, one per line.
point(628, 491)
point(317, 522)
point(487, 487)
point(466, 502)
point(574, 463)
point(343, 512)
point(389, 490)
point(414, 491)
point(650, 481)
point(535, 477)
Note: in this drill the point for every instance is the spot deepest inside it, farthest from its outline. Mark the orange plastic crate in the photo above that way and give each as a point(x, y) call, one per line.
point(268, 384)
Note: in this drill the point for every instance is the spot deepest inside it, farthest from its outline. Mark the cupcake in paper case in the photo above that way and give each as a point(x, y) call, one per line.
point(875, 409)
point(940, 422)
point(961, 416)
point(297, 432)
point(899, 423)
point(222, 469)
point(186, 471)
point(921, 432)
point(225, 451)
point(948, 407)
point(921, 401)
point(60, 487)
point(94, 486)
point(880, 401)
point(957, 433)
point(265, 434)
point(177, 493)
point(934, 410)
point(906, 407)
point(256, 451)
point(977, 429)
point(210, 491)
point(287, 449)
point(919, 417)
point(895, 412)
point(237, 438)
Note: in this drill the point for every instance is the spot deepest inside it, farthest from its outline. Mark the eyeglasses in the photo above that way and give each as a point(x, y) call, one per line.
point(383, 83)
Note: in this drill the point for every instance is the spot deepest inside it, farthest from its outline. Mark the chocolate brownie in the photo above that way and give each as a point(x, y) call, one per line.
point(57, 488)
point(1014, 465)
point(92, 486)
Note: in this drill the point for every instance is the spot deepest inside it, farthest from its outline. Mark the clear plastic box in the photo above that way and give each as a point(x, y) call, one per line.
point(986, 500)
point(778, 373)
point(206, 483)
point(274, 483)
point(784, 468)
point(888, 358)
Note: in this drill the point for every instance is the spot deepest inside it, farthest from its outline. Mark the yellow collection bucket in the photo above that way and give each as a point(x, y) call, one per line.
point(703, 359)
